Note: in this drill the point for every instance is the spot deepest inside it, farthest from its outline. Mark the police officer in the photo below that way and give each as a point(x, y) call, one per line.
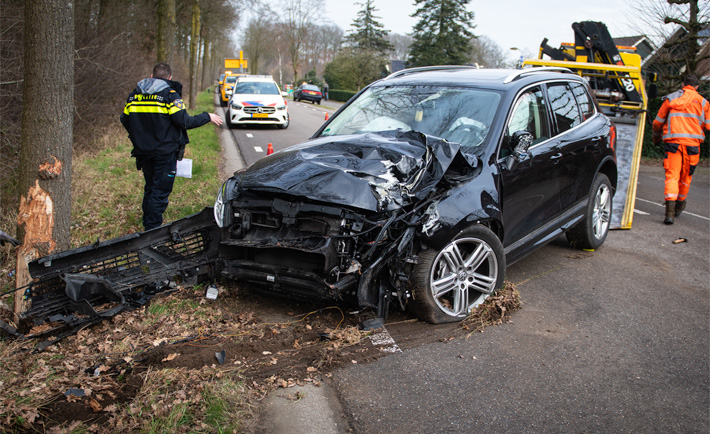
point(680, 122)
point(157, 124)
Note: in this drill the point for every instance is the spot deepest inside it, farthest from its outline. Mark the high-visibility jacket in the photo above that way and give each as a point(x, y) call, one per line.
point(156, 119)
point(681, 119)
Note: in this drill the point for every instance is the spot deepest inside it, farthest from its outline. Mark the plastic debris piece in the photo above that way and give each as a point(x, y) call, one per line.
point(221, 356)
point(75, 392)
point(212, 292)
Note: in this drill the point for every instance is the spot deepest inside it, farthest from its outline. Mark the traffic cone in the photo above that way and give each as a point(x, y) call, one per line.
point(327, 116)
point(270, 149)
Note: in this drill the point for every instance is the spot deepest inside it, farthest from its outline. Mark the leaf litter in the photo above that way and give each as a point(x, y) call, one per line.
point(157, 363)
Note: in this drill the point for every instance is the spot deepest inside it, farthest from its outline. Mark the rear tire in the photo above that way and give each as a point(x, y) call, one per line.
point(591, 232)
point(448, 283)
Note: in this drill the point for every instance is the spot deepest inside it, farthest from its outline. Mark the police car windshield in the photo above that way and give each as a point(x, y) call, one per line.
point(256, 87)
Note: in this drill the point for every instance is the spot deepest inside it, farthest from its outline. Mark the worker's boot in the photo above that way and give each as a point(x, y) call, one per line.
point(670, 212)
point(679, 207)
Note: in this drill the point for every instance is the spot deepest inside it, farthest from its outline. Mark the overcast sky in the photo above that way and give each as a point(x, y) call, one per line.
point(509, 23)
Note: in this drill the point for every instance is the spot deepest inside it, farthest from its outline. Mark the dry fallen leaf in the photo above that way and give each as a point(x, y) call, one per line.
point(95, 405)
point(170, 357)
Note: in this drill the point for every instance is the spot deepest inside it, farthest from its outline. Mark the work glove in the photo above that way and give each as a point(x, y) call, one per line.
point(181, 153)
point(139, 163)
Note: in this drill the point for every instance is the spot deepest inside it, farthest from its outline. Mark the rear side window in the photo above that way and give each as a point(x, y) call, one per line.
point(564, 106)
point(584, 100)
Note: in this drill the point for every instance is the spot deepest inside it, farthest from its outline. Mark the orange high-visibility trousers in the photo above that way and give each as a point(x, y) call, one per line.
point(679, 167)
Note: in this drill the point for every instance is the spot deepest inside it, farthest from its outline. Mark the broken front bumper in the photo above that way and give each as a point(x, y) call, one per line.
point(79, 287)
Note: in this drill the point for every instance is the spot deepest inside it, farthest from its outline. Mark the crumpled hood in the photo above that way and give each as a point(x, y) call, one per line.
point(377, 171)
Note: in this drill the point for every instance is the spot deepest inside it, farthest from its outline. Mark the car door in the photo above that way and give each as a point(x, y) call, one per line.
point(576, 139)
point(529, 189)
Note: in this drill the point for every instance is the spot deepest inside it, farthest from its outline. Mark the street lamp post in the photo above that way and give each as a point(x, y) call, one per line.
point(519, 63)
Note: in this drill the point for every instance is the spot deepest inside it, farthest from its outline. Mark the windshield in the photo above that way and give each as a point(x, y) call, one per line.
point(457, 114)
point(256, 87)
point(230, 79)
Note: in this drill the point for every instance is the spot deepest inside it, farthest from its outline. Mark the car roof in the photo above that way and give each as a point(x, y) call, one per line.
point(501, 79)
point(267, 78)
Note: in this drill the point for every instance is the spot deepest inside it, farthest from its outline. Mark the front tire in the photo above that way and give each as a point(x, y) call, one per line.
point(448, 283)
point(591, 232)
point(288, 121)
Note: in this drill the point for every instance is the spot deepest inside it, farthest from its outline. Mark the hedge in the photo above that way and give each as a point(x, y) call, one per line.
point(340, 95)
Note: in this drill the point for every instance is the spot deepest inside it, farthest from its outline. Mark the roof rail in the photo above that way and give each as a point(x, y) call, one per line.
point(427, 68)
point(520, 72)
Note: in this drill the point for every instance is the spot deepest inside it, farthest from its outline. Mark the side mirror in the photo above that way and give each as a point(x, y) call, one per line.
point(652, 91)
point(518, 144)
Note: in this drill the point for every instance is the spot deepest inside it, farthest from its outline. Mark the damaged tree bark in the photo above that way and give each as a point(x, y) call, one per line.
point(44, 182)
point(36, 217)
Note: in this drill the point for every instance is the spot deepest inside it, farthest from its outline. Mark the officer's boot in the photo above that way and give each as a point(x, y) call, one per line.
point(679, 207)
point(670, 212)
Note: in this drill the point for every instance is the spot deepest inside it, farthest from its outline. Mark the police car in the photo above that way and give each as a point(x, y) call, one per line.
point(257, 99)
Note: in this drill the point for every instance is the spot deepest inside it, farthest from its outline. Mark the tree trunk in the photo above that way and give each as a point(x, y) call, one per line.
point(47, 132)
point(166, 31)
point(194, 48)
point(205, 58)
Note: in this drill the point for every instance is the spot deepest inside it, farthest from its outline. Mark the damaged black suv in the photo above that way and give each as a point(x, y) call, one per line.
point(422, 188)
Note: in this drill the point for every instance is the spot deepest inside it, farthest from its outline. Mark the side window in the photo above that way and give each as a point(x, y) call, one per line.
point(584, 100)
point(529, 114)
point(564, 106)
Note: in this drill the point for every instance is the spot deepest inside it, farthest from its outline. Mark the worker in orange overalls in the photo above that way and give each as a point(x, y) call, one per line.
point(680, 123)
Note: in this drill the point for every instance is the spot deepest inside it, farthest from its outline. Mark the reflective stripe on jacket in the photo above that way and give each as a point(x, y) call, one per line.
point(682, 117)
point(156, 119)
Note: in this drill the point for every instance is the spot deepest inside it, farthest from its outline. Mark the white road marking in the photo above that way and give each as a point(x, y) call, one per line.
point(250, 135)
point(638, 211)
point(664, 205)
point(384, 339)
point(258, 149)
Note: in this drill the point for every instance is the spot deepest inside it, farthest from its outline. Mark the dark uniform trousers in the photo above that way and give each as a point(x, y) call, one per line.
point(159, 173)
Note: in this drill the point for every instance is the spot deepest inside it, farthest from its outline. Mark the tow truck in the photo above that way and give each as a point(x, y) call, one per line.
point(614, 74)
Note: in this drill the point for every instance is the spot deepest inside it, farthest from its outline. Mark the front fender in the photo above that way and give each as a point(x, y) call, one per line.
point(463, 208)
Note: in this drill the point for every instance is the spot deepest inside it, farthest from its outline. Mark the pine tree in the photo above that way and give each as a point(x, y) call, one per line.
point(369, 34)
point(443, 34)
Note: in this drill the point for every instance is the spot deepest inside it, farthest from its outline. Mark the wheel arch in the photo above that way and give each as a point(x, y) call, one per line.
point(608, 168)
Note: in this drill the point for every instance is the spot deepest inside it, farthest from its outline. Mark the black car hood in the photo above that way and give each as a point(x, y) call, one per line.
point(376, 171)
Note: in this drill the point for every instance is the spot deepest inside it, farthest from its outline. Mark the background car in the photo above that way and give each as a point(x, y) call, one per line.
point(422, 189)
point(257, 99)
point(308, 92)
point(225, 90)
point(220, 82)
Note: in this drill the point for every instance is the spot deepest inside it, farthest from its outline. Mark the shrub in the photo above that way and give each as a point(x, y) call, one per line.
point(340, 95)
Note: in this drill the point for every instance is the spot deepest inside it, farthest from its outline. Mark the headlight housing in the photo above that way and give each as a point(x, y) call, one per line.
point(219, 206)
point(236, 106)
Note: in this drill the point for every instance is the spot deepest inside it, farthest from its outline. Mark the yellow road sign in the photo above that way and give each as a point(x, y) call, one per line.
point(236, 63)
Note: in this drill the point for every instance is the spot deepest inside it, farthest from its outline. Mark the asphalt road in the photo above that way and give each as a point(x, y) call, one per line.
point(616, 340)
point(306, 118)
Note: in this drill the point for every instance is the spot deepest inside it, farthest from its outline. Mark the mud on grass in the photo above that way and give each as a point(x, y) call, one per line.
point(157, 369)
